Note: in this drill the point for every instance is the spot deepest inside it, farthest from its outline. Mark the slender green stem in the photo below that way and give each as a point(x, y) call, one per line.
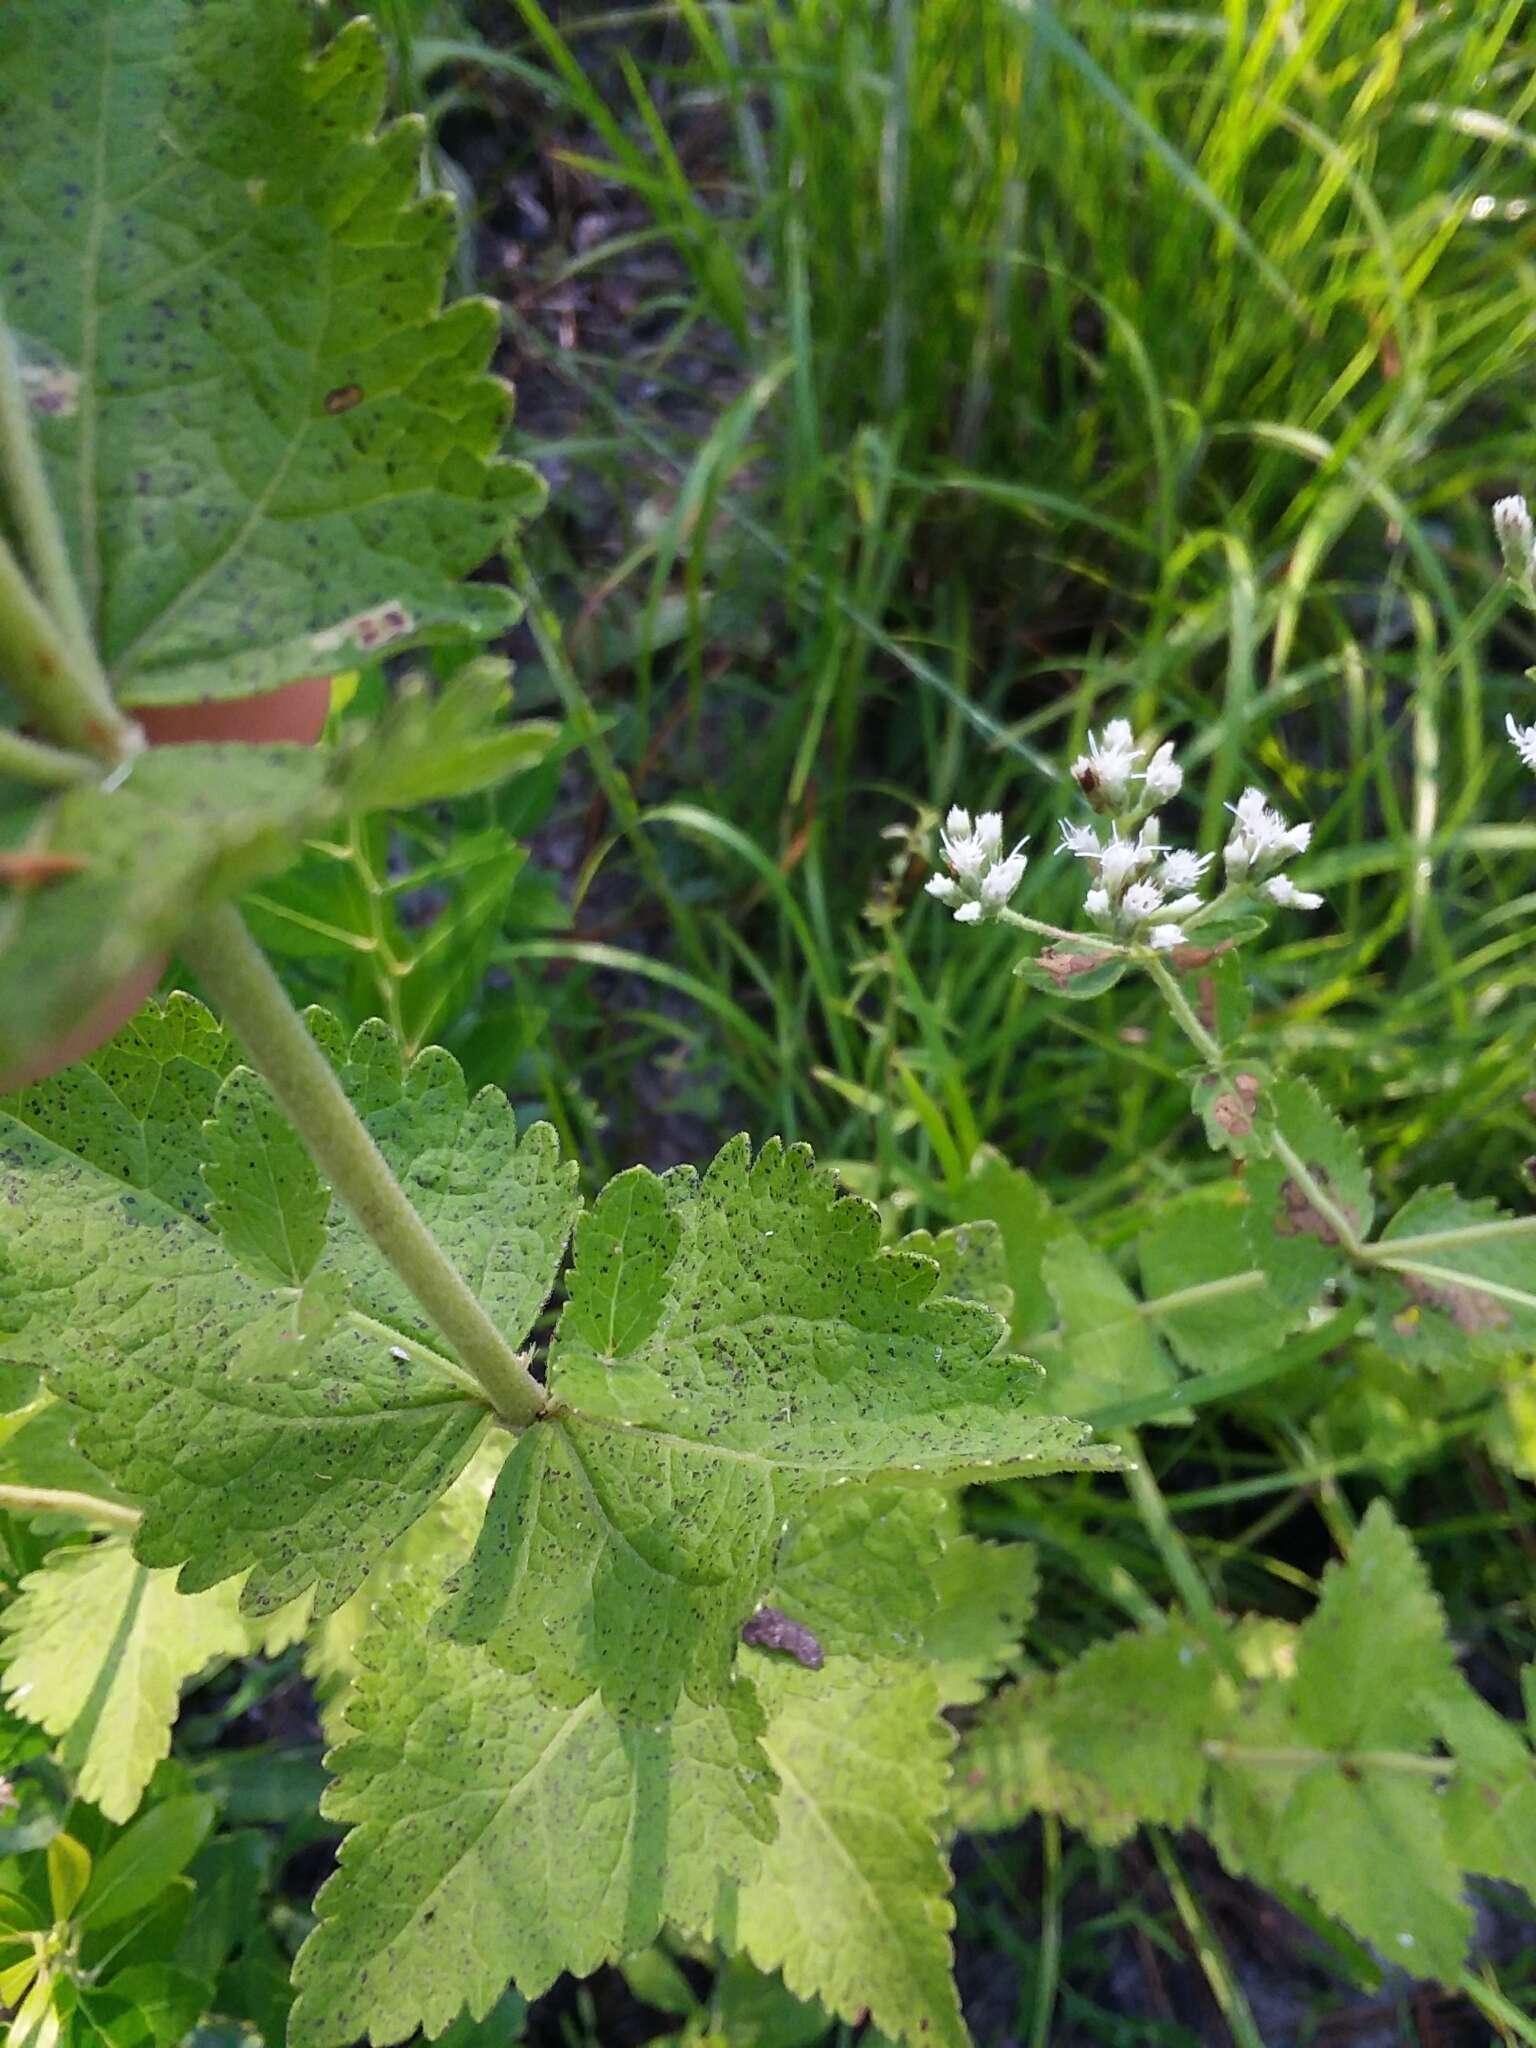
point(1108, 947)
point(1352, 1759)
point(1207, 1046)
point(1442, 1240)
point(46, 767)
point(235, 972)
point(1177, 1560)
point(46, 647)
point(35, 514)
point(1048, 1968)
point(1513, 2024)
point(1214, 1960)
point(63, 1500)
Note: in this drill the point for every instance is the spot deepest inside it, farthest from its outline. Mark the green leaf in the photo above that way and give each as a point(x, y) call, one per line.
point(69, 1873)
point(858, 1568)
point(263, 1430)
point(1294, 1243)
point(972, 1262)
point(1373, 1850)
point(496, 1836)
point(1108, 1351)
point(851, 1901)
point(136, 1108)
point(191, 826)
point(619, 1559)
point(139, 1865)
point(1022, 1210)
point(1236, 1108)
point(1201, 1241)
point(1374, 1650)
point(274, 452)
point(269, 1203)
point(1112, 1741)
point(1490, 1805)
point(1470, 1295)
point(97, 1651)
point(1058, 971)
point(500, 1205)
point(428, 748)
point(984, 1596)
point(754, 1311)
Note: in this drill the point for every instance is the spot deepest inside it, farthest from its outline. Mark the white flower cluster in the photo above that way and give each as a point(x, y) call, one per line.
point(1262, 841)
point(1145, 892)
point(1141, 889)
point(981, 876)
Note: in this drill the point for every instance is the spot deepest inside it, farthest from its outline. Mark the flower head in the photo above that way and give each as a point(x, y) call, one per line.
point(1517, 537)
point(1105, 772)
point(1162, 777)
point(1164, 937)
point(1142, 900)
point(1182, 867)
point(1261, 839)
point(981, 876)
point(1282, 890)
point(1523, 740)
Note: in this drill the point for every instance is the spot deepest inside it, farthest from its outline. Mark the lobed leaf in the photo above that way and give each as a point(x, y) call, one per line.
point(273, 450)
point(851, 1898)
point(1469, 1295)
point(618, 1560)
point(496, 1836)
point(500, 1204)
point(1295, 1243)
point(97, 1651)
point(753, 1310)
point(264, 1430)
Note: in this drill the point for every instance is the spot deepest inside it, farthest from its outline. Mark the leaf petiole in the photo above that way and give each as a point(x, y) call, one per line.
point(237, 976)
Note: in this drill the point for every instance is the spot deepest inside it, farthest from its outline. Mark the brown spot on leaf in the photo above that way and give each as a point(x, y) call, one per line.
point(1064, 967)
point(343, 398)
point(1468, 1307)
point(1298, 1217)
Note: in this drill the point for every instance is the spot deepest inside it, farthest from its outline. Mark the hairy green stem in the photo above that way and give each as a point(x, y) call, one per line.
point(45, 767)
point(32, 506)
point(63, 1500)
point(47, 651)
point(1108, 947)
point(1207, 1046)
point(237, 976)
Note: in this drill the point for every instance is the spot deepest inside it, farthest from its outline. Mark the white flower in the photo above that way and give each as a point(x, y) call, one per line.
point(1183, 906)
point(1142, 900)
point(1523, 739)
point(1165, 937)
point(1261, 839)
point(1182, 868)
point(1000, 881)
point(981, 877)
point(1517, 536)
point(1096, 903)
point(1283, 890)
point(1149, 841)
point(1104, 773)
point(1163, 777)
point(1080, 840)
point(1119, 860)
